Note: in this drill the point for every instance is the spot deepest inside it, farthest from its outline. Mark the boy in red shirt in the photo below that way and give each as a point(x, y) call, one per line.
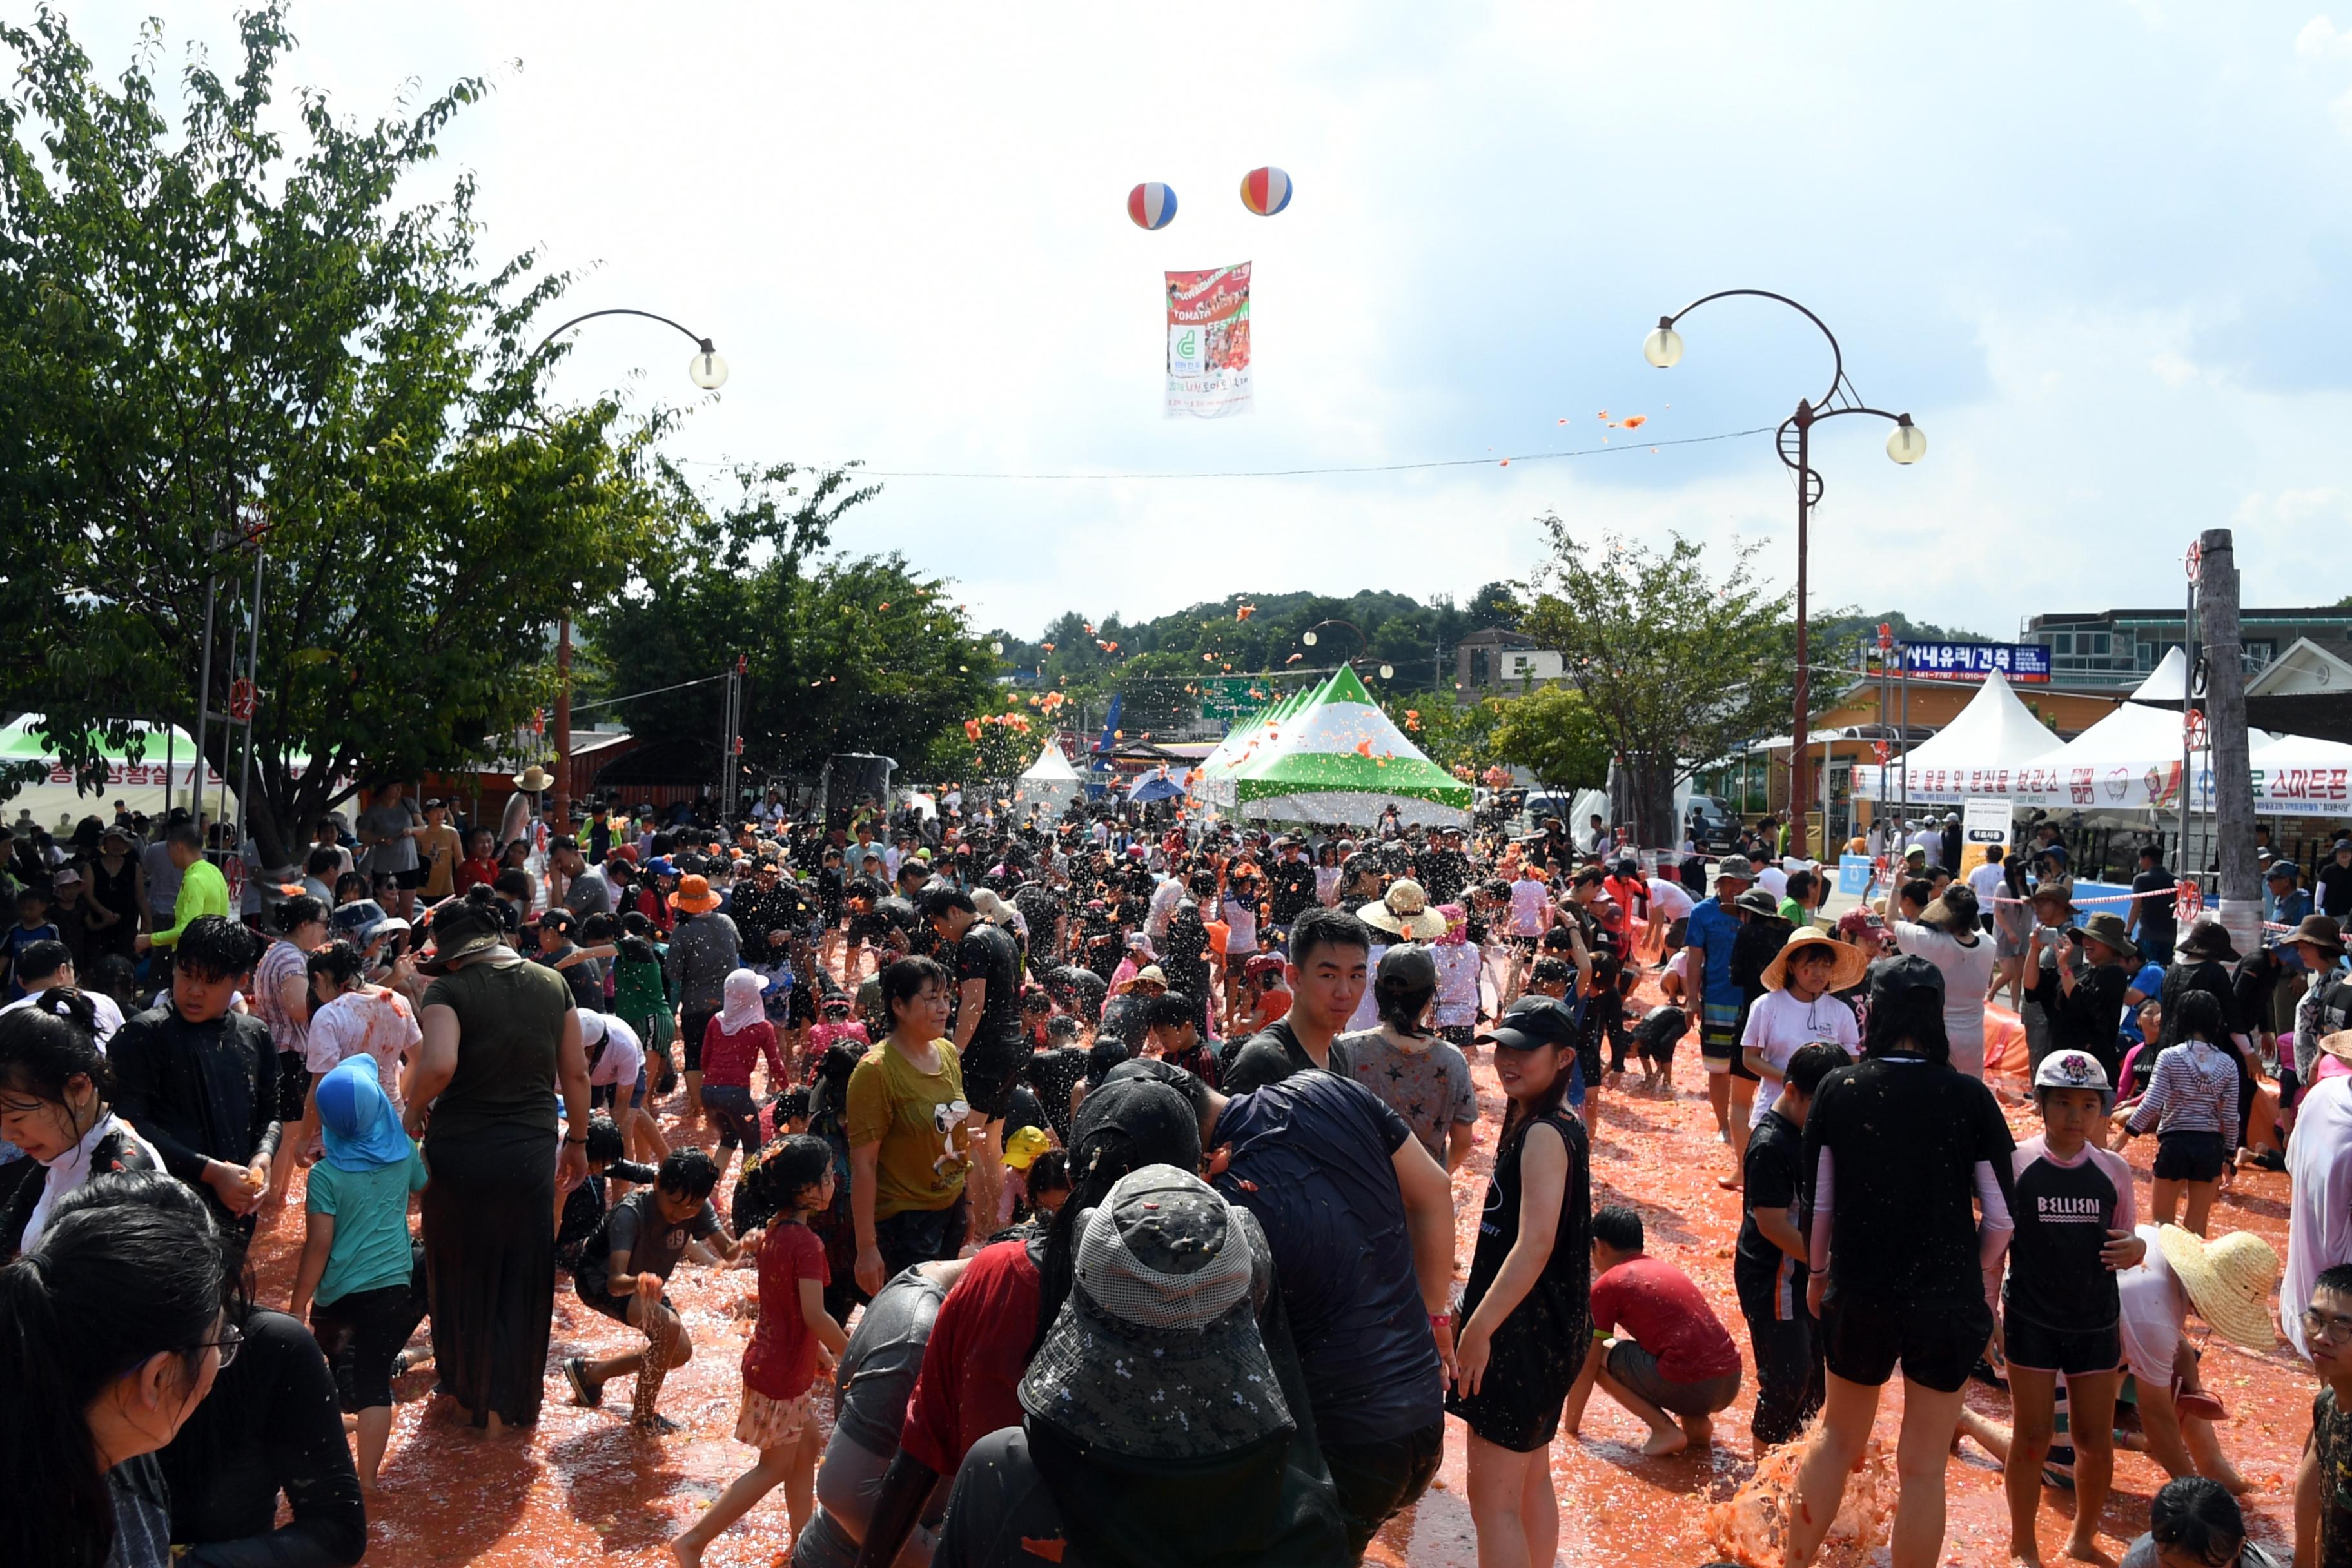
point(1676, 1365)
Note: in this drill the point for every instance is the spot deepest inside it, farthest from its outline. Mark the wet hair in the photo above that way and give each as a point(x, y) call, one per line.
point(513, 884)
point(1618, 1226)
point(1170, 1010)
point(1105, 1152)
point(352, 887)
point(298, 911)
point(903, 980)
point(1319, 927)
point(688, 1173)
point(214, 947)
point(1907, 1022)
point(1548, 970)
point(1049, 1172)
point(941, 897)
point(1920, 890)
point(1800, 885)
point(1812, 1063)
point(187, 835)
point(635, 923)
point(605, 1144)
point(325, 860)
point(53, 1040)
point(40, 960)
point(596, 929)
point(116, 1278)
point(2337, 1278)
point(2198, 1518)
point(1063, 1027)
point(339, 961)
point(791, 1105)
point(785, 1169)
point(840, 1061)
point(2196, 1015)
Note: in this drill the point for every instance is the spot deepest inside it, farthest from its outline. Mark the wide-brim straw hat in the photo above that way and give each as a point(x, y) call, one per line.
point(534, 779)
point(2229, 1279)
point(2338, 1044)
point(1853, 962)
point(1404, 910)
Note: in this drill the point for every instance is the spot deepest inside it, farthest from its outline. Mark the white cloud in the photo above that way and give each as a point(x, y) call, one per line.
point(2320, 40)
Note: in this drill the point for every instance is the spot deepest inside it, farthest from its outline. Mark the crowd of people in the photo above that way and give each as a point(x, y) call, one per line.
point(1095, 1173)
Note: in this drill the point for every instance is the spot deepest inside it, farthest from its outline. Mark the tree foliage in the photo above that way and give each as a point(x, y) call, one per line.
point(213, 342)
point(843, 653)
point(1678, 665)
point(1554, 733)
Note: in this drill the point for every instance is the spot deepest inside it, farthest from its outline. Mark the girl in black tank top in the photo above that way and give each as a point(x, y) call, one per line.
point(1525, 1332)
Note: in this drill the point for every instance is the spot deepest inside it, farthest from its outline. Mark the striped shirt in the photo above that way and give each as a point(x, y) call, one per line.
point(2194, 1089)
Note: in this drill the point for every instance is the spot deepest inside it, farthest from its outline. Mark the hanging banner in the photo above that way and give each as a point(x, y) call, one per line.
point(1209, 342)
point(1983, 824)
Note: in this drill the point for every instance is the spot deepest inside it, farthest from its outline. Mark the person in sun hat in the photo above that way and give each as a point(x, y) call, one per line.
point(1158, 1424)
point(704, 950)
point(2081, 992)
point(1800, 1006)
point(2227, 1282)
point(1404, 910)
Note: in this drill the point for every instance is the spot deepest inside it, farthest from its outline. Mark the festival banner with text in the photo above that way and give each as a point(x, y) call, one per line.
point(1209, 342)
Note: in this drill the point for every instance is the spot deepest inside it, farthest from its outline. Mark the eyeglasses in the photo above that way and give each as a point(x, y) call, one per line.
point(232, 1339)
point(2319, 1325)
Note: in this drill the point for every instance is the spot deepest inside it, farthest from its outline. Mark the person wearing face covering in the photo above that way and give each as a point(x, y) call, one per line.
point(738, 1035)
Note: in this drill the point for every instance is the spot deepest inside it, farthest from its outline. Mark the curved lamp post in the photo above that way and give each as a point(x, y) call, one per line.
point(1312, 635)
point(709, 372)
point(1905, 444)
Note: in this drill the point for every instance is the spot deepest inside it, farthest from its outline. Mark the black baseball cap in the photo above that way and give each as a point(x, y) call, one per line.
point(1532, 1021)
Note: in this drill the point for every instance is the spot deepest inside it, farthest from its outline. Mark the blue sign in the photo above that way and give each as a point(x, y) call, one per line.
point(1853, 874)
point(2015, 662)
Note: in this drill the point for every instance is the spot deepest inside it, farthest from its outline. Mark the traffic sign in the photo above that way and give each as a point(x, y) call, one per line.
point(240, 701)
point(2193, 726)
point(1886, 636)
point(2195, 558)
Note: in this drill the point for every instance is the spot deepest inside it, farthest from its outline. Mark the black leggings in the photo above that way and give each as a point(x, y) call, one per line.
point(362, 1333)
point(696, 1023)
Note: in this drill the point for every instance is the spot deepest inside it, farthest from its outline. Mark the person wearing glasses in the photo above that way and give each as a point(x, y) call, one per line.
point(2323, 1504)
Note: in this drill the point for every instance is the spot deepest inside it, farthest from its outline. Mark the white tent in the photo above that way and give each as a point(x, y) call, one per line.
point(1049, 784)
point(2165, 682)
point(1980, 752)
point(54, 799)
point(2129, 761)
point(2296, 775)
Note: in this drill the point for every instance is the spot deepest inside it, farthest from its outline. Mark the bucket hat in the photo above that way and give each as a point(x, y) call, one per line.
point(534, 780)
point(1735, 867)
point(1758, 901)
point(2108, 929)
point(460, 931)
point(694, 896)
point(1404, 910)
point(2320, 931)
point(2208, 939)
point(1156, 1354)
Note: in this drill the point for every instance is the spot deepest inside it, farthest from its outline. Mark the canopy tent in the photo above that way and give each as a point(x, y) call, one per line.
point(1980, 752)
point(1212, 779)
point(2164, 683)
point(1335, 757)
point(1153, 786)
point(2129, 761)
point(2296, 776)
point(1049, 784)
point(53, 798)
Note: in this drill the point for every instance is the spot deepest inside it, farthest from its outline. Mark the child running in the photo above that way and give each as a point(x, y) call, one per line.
point(2073, 1213)
point(2192, 1103)
point(795, 1338)
point(622, 1272)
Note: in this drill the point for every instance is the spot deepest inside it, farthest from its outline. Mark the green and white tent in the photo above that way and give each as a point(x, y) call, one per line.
point(1331, 755)
point(1211, 780)
point(53, 800)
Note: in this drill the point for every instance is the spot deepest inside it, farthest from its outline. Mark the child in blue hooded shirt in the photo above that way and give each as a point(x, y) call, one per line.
point(357, 1262)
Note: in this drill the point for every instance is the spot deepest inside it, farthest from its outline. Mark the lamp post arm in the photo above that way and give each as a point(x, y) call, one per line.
point(1837, 355)
point(697, 338)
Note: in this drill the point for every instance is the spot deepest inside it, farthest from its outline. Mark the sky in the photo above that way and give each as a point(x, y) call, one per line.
point(2097, 251)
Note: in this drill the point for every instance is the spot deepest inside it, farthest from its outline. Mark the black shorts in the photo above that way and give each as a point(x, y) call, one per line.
point(617, 1308)
point(693, 1025)
point(1937, 1345)
point(2076, 1353)
point(2187, 1156)
point(989, 1073)
point(410, 880)
point(293, 1086)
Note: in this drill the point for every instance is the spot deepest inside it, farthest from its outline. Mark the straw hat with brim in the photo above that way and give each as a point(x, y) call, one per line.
point(461, 931)
point(2108, 929)
point(1156, 1354)
point(1404, 910)
point(694, 896)
point(2320, 931)
point(534, 779)
point(1852, 961)
point(2339, 1045)
point(2228, 1280)
point(1150, 974)
point(2207, 939)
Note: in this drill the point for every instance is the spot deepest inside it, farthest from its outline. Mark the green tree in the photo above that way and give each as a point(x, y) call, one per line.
point(842, 653)
point(1457, 736)
point(1677, 665)
point(211, 344)
point(1553, 734)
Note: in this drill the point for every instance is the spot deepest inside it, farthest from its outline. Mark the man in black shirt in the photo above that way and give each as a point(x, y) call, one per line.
point(1290, 891)
point(1331, 952)
point(988, 1037)
point(1768, 1268)
point(767, 912)
point(1443, 870)
point(2332, 884)
point(200, 1082)
point(2152, 920)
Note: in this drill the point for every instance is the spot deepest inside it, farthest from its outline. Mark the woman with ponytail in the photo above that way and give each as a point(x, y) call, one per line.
point(111, 1333)
point(54, 1084)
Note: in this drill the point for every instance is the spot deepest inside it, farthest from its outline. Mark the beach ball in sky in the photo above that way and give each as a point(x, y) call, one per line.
point(1153, 205)
point(1266, 192)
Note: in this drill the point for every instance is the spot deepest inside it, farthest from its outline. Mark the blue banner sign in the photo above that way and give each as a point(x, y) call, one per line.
point(2026, 663)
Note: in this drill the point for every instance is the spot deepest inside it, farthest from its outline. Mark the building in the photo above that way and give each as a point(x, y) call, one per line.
point(2118, 649)
point(1498, 663)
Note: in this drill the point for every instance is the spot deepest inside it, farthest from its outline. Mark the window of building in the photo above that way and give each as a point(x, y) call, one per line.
point(2255, 656)
point(1477, 666)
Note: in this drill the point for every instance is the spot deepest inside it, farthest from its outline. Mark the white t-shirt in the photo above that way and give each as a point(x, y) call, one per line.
point(2319, 1213)
point(1779, 1026)
point(1670, 900)
point(1457, 985)
point(1773, 880)
point(1241, 929)
point(1528, 899)
point(1985, 883)
point(110, 1017)
point(1931, 839)
point(1968, 973)
point(623, 1057)
point(370, 1021)
point(2153, 1306)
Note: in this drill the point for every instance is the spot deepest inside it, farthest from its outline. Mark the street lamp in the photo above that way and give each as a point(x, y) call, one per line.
point(708, 370)
point(1906, 445)
point(1310, 636)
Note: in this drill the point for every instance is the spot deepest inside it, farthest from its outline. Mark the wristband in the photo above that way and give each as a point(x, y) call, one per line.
point(1440, 1320)
point(583, 1138)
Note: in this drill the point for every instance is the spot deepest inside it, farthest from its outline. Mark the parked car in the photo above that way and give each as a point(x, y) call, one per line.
point(1712, 823)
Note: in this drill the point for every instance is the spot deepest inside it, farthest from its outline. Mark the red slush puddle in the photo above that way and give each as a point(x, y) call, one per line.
point(582, 1488)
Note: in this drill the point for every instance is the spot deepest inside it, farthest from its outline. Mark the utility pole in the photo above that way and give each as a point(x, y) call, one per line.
point(2225, 705)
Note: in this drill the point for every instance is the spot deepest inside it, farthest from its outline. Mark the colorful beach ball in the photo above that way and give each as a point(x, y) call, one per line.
point(1152, 205)
point(1266, 192)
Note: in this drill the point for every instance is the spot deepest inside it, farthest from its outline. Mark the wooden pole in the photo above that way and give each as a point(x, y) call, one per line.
point(2225, 715)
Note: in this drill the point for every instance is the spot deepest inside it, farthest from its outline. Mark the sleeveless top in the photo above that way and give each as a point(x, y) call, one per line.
point(1558, 1309)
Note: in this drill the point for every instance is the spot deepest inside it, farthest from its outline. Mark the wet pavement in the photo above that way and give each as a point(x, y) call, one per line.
point(583, 1489)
